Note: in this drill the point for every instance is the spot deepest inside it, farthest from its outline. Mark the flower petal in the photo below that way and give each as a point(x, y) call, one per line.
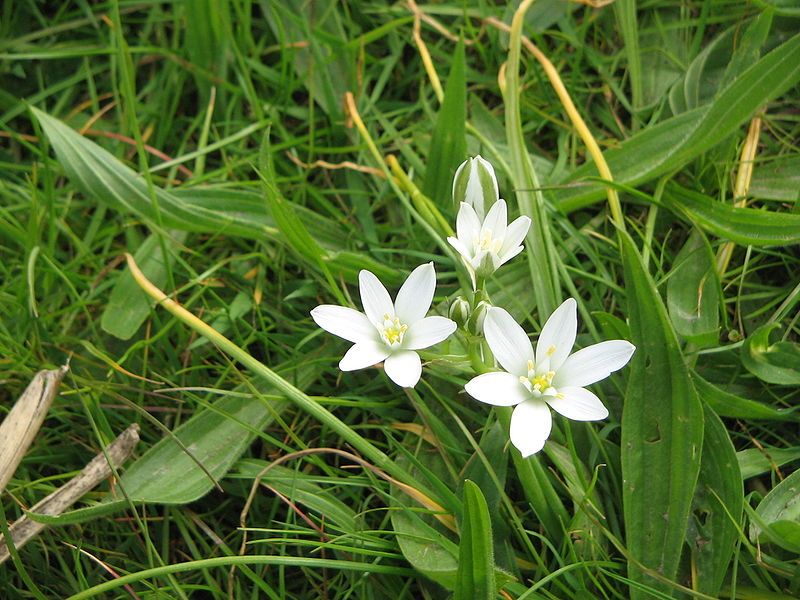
point(468, 225)
point(531, 423)
point(508, 341)
point(504, 258)
point(416, 294)
point(427, 332)
point(578, 404)
point(558, 335)
point(363, 354)
point(496, 220)
point(345, 322)
point(404, 368)
point(515, 233)
point(374, 297)
point(593, 363)
point(497, 389)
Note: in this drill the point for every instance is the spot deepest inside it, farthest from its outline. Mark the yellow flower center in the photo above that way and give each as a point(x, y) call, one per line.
point(488, 243)
point(393, 330)
point(537, 383)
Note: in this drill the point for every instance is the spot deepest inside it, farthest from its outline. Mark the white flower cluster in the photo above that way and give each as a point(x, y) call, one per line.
point(532, 382)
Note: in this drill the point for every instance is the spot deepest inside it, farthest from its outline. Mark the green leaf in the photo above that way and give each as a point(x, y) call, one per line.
point(425, 548)
point(673, 143)
point(746, 226)
point(779, 515)
point(129, 306)
point(449, 141)
point(662, 426)
point(777, 180)
point(693, 292)
point(170, 472)
point(717, 508)
point(475, 578)
point(777, 363)
point(726, 404)
point(757, 461)
point(99, 174)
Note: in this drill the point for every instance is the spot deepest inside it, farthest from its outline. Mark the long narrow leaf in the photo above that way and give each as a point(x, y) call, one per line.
point(475, 579)
point(673, 143)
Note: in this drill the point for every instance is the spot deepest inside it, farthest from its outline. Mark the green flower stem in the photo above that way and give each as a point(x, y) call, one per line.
point(284, 388)
point(537, 486)
point(226, 561)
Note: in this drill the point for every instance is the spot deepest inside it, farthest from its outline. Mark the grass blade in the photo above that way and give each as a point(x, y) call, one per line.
point(449, 142)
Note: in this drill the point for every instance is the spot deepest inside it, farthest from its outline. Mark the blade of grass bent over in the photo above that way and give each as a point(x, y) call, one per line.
point(381, 460)
point(541, 252)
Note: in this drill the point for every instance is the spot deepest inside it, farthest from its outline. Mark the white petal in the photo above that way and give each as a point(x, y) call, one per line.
point(504, 258)
point(345, 322)
point(508, 341)
point(594, 363)
point(468, 225)
point(474, 191)
point(497, 389)
point(490, 169)
point(578, 404)
point(460, 248)
point(496, 220)
point(427, 332)
point(515, 233)
point(363, 354)
point(374, 297)
point(415, 296)
point(531, 423)
point(558, 334)
point(404, 368)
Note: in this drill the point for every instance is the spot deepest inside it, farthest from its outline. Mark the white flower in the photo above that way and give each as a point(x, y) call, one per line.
point(486, 245)
point(552, 377)
point(475, 183)
point(388, 332)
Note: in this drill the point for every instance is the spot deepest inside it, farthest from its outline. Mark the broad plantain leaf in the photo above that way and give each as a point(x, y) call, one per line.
point(662, 426)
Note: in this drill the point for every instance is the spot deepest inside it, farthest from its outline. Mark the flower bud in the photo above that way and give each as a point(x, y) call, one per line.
point(478, 316)
point(459, 311)
point(476, 184)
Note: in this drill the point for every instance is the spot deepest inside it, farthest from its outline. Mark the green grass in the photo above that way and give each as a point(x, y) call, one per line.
point(203, 123)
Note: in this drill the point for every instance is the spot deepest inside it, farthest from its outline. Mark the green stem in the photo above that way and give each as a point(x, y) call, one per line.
point(225, 561)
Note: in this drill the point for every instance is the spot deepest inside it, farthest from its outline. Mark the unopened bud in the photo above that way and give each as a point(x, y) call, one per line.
point(478, 316)
point(459, 311)
point(476, 184)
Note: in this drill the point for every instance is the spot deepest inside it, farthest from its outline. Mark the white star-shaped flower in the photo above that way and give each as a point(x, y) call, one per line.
point(551, 377)
point(484, 246)
point(388, 332)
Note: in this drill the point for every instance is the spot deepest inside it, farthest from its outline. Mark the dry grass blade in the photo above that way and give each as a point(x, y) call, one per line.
point(23, 422)
point(116, 453)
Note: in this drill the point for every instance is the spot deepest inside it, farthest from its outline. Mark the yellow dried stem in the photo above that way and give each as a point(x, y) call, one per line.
point(742, 186)
point(577, 121)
